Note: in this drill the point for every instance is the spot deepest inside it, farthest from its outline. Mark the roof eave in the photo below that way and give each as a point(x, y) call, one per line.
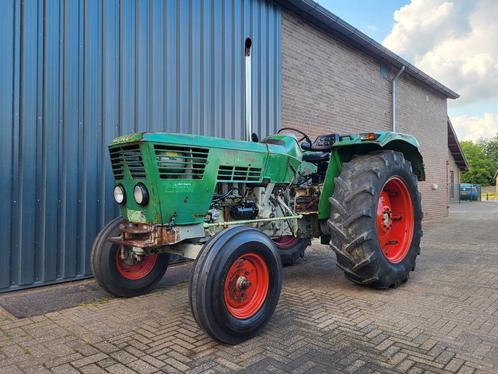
point(457, 151)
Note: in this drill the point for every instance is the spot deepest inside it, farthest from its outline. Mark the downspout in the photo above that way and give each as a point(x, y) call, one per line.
point(393, 82)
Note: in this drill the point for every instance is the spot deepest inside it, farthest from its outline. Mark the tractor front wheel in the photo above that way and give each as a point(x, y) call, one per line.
point(121, 273)
point(235, 284)
point(375, 220)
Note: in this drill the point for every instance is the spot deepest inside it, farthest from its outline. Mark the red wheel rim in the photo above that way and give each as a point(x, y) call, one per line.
point(395, 220)
point(135, 271)
point(246, 285)
point(285, 242)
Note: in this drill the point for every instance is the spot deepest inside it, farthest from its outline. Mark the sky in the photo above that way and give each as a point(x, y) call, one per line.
point(454, 41)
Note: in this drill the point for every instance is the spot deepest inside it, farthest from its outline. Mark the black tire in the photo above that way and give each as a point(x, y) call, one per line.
point(105, 270)
point(207, 284)
point(353, 222)
point(290, 254)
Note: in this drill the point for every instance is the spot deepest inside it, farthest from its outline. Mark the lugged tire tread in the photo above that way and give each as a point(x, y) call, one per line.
point(337, 205)
point(367, 189)
point(356, 216)
point(353, 238)
point(367, 261)
point(339, 252)
point(337, 229)
point(359, 239)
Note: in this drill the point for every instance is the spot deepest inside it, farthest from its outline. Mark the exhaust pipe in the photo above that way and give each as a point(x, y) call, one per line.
point(248, 84)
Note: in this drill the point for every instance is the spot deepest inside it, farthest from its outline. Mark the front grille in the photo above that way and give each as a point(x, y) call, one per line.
point(238, 174)
point(180, 162)
point(130, 156)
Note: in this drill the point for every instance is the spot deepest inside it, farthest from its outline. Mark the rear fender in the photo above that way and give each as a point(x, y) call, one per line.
point(351, 145)
point(407, 144)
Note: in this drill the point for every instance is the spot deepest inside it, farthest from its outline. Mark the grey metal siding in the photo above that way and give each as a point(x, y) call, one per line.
point(75, 74)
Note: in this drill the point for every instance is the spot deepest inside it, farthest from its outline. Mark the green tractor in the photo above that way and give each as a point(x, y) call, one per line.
point(240, 209)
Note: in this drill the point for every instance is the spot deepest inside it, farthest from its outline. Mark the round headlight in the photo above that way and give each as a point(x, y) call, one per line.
point(141, 194)
point(119, 194)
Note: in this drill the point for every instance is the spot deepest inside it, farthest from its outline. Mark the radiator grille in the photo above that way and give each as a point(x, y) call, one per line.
point(177, 162)
point(238, 173)
point(130, 156)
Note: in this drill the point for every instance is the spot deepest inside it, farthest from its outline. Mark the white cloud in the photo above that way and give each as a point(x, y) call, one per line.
point(455, 41)
point(475, 127)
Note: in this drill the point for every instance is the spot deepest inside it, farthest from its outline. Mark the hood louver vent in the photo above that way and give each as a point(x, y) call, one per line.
point(130, 156)
point(176, 162)
point(238, 174)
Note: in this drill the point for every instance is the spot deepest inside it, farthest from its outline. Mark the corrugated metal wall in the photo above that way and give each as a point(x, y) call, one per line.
point(75, 74)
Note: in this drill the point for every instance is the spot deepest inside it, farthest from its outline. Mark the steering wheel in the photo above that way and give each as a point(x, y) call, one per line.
point(303, 137)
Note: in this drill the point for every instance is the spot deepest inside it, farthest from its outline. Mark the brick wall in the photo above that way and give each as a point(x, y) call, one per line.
point(423, 113)
point(328, 86)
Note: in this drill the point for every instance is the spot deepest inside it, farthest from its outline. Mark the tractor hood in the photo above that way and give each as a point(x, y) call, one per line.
point(181, 171)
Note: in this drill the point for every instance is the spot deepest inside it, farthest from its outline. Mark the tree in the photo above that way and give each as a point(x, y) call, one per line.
point(482, 166)
point(490, 148)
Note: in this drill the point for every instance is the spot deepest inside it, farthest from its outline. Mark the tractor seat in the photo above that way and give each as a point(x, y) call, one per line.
point(316, 156)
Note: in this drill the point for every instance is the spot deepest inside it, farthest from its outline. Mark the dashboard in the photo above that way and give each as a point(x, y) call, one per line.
point(324, 142)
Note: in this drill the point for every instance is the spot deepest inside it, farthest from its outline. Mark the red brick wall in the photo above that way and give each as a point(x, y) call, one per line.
point(328, 86)
point(423, 113)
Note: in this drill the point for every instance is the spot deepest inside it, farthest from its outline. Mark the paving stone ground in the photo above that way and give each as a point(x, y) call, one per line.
point(445, 319)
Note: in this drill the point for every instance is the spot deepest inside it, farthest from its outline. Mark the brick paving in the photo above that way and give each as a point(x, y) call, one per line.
point(445, 319)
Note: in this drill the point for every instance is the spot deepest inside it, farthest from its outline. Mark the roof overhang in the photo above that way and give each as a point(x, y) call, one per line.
point(455, 149)
point(329, 22)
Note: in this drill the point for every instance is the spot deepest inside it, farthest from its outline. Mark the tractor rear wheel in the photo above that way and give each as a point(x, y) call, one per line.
point(291, 248)
point(375, 219)
point(121, 274)
point(235, 284)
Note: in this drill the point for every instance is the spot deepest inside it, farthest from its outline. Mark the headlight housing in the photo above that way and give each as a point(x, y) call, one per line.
point(119, 194)
point(141, 194)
